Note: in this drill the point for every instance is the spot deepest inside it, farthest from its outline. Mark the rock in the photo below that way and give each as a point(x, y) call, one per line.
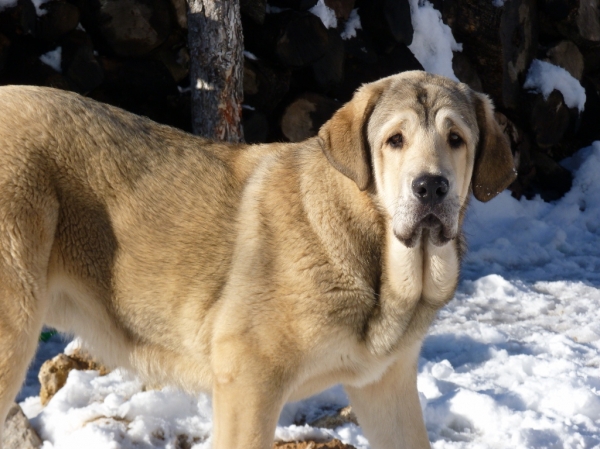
point(303, 41)
point(265, 85)
point(364, 65)
point(86, 362)
point(577, 20)
point(305, 115)
point(60, 18)
point(54, 372)
point(398, 18)
point(552, 180)
point(19, 19)
point(588, 20)
point(510, 130)
point(134, 27)
point(343, 416)
point(566, 54)
point(387, 22)
point(18, 433)
point(79, 63)
point(465, 71)
point(298, 5)
point(558, 9)
point(591, 59)
point(329, 70)
point(180, 8)
point(342, 8)
point(332, 444)
point(4, 49)
point(500, 42)
point(254, 9)
point(256, 126)
point(550, 119)
point(141, 86)
point(175, 56)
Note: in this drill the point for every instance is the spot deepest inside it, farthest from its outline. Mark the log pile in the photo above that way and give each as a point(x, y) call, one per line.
point(299, 67)
point(129, 53)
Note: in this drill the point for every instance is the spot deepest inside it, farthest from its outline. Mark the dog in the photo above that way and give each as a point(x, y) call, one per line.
point(260, 273)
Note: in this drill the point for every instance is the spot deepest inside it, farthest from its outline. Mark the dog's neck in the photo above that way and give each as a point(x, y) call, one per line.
point(413, 287)
point(408, 285)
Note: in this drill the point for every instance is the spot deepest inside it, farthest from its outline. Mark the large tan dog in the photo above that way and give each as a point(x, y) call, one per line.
point(261, 273)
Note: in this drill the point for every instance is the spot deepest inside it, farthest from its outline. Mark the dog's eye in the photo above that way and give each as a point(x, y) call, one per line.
point(455, 140)
point(396, 141)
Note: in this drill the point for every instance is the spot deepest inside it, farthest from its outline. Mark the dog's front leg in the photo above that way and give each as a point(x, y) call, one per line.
point(248, 396)
point(389, 410)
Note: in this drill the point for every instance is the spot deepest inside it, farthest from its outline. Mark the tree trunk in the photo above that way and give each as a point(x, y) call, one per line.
point(216, 68)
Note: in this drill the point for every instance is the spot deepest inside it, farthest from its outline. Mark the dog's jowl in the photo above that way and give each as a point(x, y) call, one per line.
point(260, 273)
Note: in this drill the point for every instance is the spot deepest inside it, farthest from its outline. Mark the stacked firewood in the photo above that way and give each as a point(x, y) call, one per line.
point(304, 58)
point(130, 53)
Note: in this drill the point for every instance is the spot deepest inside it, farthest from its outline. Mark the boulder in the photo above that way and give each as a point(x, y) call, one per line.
point(79, 62)
point(18, 433)
point(342, 8)
point(134, 27)
point(54, 372)
point(465, 71)
point(566, 54)
point(329, 69)
point(550, 119)
point(60, 18)
point(180, 8)
point(304, 40)
point(254, 9)
point(341, 417)
point(500, 42)
point(305, 115)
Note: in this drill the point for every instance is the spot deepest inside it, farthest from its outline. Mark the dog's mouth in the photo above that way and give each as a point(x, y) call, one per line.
point(429, 227)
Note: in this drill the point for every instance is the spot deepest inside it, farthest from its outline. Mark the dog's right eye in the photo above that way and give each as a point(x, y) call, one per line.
point(396, 141)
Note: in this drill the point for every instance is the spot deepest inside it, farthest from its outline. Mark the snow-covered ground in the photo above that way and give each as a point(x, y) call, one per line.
point(512, 362)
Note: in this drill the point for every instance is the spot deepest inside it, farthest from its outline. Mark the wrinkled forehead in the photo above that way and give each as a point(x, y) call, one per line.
point(429, 103)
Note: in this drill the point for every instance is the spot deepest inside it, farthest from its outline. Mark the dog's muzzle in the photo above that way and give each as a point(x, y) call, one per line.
point(431, 214)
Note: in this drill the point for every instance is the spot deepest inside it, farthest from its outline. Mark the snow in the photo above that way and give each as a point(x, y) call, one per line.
point(53, 58)
point(4, 4)
point(433, 42)
point(325, 13)
point(513, 361)
point(250, 55)
point(38, 6)
point(544, 77)
point(352, 24)
point(498, 3)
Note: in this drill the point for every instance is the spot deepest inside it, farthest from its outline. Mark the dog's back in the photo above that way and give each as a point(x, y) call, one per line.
point(87, 192)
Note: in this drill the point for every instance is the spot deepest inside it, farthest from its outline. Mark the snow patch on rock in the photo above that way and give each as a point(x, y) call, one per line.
point(53, 59)
point(352, 24)
point(544, 77)
point(433, 42)
point(325, 13)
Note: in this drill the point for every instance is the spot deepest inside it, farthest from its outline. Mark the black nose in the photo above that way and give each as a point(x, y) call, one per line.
point(430, 189)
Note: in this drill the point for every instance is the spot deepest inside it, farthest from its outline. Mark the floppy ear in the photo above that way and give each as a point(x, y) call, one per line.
point(494, 168)
point(344, 139)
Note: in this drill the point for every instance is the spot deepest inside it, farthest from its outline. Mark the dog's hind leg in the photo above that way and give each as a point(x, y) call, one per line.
point(27, 224)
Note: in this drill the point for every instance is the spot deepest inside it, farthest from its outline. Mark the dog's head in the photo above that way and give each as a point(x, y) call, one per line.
point(421, 142)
